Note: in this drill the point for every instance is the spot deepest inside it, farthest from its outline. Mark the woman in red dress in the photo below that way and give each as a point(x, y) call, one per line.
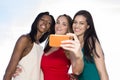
point(56, 61)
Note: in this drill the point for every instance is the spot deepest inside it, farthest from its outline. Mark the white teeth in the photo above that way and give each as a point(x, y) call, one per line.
point(77, 29)
point(43, 26)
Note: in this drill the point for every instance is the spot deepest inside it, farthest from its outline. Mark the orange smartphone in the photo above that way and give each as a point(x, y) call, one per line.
point(55, 40)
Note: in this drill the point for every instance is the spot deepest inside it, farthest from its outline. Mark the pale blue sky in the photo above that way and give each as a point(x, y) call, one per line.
point(10, 8)
point(16, 17)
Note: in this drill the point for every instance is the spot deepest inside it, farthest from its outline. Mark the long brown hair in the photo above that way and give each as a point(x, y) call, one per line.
point(90, 36)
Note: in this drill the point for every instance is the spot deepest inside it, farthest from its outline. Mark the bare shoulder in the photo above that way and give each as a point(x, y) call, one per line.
point(97, 43)
point(99, 48)
point(23, 39)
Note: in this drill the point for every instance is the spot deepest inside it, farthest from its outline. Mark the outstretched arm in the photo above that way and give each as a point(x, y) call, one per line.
point(76, 56)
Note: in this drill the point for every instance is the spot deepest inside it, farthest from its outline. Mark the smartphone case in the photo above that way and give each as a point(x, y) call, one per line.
point(55, 40)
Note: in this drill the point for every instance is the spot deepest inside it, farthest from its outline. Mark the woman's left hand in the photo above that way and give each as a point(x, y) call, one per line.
point(72, 45)
point(75, 51)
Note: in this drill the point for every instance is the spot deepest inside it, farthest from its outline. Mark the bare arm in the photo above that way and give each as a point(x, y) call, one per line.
point(100, 63)
point(16, 56)
point(76, 55)
point(77, 62)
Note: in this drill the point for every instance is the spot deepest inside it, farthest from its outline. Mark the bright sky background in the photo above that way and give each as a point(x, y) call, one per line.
point(16, 17)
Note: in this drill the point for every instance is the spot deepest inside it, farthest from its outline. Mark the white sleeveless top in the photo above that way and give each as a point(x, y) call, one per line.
point(30, 65)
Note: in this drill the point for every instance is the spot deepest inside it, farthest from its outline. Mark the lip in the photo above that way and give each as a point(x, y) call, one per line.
point(58, 31)
point(43, 28)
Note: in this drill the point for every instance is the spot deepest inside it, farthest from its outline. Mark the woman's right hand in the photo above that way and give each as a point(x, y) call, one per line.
point(17, 71)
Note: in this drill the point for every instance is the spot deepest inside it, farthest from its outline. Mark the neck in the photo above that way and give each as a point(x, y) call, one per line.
point(81, 40)
point(37, 37)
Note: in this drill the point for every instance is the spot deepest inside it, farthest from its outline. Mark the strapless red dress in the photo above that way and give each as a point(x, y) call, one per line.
point(55, 66)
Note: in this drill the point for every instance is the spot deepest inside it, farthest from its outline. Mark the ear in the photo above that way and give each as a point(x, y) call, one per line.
point(88, 27)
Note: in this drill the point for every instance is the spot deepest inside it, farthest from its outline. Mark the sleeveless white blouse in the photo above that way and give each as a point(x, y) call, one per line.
point(30, 65)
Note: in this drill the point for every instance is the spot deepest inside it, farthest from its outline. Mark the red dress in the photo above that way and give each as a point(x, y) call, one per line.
point(55, 66)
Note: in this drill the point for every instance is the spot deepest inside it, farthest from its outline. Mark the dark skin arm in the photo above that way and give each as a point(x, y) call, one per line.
point(16, 56)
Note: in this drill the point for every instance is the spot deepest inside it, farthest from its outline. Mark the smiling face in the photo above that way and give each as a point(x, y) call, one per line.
point(80, 25)
point(62, 25)
point(44, 24)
